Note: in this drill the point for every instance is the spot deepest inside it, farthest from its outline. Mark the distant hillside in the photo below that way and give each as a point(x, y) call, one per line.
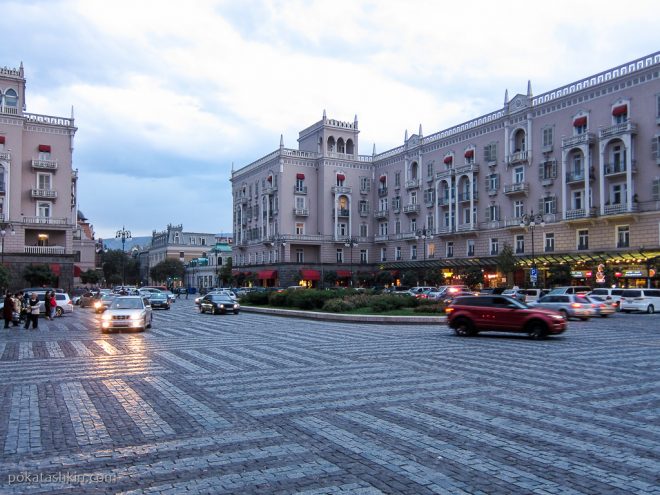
point(135, 241)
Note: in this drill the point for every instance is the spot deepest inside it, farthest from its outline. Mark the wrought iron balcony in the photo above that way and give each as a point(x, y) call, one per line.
point(618, 130)
point(341, 189)
point(44, 164)
point(516, 188)
point(381, 213)
point(300, 189)
point(578, 140)
point(301, 212)
point(412, 184)
point(44, 193)
point(411, 208)
point(619, 168)
point(382, 191)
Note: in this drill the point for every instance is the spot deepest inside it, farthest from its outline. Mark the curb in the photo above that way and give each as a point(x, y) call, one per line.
point(314, 315)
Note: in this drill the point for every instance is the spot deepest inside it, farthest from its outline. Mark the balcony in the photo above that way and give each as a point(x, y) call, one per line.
point(44, 193)
point(444, 174)
point(412, 184)
point(45, 221)
point(381, 238)
point(516, 188)
point(381, 213)
point(577, 176)
point(619, 168)
point(617, 130)
point(586, 138)
point(44, 164)
point(243, 200)
point(576, 214)
point(466, 169)
point(518, 157)
point(382, 191)
point(444, 229)
point(396, 208)
point(270, 190)
point(44, 250)
point(467, 196)
point(5, 155)
point(620, 209)
point(492, 191)
point(411, 209)
point(300, 189)
point(364, 211)
point(513, 222)
point(341, 212)
point(341, 189)
point(365, 190)
point(301, 212)
point(465, 227)
point(443, 201)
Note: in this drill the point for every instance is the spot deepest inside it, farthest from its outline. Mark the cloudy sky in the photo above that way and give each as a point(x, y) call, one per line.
point(168, 94)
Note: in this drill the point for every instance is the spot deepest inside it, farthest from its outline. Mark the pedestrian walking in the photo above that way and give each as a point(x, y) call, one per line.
point(18, 304)
point(53, 305)
point(47, 304)
point(8, 309)
point(33, 312)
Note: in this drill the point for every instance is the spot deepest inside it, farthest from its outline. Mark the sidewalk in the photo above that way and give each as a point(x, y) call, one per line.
point(315, 315)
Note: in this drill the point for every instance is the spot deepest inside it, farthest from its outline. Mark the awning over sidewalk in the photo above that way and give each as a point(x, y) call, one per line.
point(310, 275)
point(344, 274)
point(267, 274)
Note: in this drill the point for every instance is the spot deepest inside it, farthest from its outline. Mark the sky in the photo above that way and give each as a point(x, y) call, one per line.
point(168, 95)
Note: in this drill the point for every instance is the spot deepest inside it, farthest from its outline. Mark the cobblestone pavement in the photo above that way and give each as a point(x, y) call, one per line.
point(252, 403)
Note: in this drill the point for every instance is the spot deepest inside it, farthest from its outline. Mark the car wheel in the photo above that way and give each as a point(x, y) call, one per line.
point(59, 311)
point(538, 330)
point(151, 319)
point(650, 310)
point(565, 313)
point(464, 328)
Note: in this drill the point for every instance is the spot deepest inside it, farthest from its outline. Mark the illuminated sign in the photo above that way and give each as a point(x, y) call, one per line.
point(633, 273)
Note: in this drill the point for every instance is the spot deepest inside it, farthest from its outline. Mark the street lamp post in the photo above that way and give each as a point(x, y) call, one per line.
point(530, 221)
point(4, 228)
point(425, 235)
point(123, 234)
point(351, 242)
point(278, 241)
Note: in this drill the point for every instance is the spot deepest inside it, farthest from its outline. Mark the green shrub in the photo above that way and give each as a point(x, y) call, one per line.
point(432, 308)
point(255, 297)
point(338, 305)
point(278, 299)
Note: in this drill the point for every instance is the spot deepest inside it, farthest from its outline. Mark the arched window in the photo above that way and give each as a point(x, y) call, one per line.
point(519, 141)
point(331, 144)
point(11, 99)
point(340, 146)
point(413, 170)
point(350, 149)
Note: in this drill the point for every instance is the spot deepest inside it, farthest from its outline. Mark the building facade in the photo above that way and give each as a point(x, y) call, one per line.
point(568, 177)
point(38, 210)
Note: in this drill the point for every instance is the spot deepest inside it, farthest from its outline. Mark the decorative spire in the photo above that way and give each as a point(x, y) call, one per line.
point(355, 122)
point(281, 141)
point(420, 131)
point(405, 138)
point(71, 112)
point(232, 167)
point(324, 115)
point(529, 88)
point(374, 151)
point(506, 97)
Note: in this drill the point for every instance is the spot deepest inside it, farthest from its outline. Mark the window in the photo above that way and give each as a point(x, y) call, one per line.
point(11, 99)
point(340, 255)
point(396, 203)
point(397, 179)
point(382, 228)
point(43, 209)
point(657, 106)
point(429, 169)
point(364, 256)
point(490, 152)
point(202, 241)
point(397, 253)
point(300, 228)
point(44, 181)
point(365, 184)
point(583, 239)
point(580, 125)
point(548, 170)
point(493, 182)
point(383, 254)
point(520, 244)
point(342, 229)
point(413, 198)
point(397, 227)
point(300, 255)
point(548, 205)
point(383, 204)
point(519, 175)
point(466, 215)
point(413, 225)
point(618, 194)
point(181, 255)
point(450, 249)
point(364, 230)
point(470, 247)
point(431, 250)
point(620, 114)
point(340, 180)
point(578, 200)
point(300, 202)
point(493, 213)
point(193, 241)
point(494, 246)
point(622, 236)
point(413, 252)
point(548, 137)
point(518, 208)
point(430, 222)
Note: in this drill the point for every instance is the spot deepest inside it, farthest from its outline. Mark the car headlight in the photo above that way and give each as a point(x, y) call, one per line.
point(106, 316)
point(97, 304)
point(136, 317)
point(557, 317)
point(222, 306)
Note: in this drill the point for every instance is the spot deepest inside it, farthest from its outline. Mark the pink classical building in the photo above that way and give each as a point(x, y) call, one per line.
point(567, 177)
point(37, 185)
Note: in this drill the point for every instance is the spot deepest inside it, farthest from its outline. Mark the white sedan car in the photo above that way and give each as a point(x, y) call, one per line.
point(127, 312)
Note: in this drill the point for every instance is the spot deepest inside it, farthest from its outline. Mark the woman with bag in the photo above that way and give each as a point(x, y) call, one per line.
point(33, 312)
point(47, 304)
point(53, 305)
point(8, 310)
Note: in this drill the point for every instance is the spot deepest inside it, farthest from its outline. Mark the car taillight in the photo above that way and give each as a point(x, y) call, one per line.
point(449, 310)
point(576, 305)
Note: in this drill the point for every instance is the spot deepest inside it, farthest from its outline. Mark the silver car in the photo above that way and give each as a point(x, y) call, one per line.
point(129, 312)
point(570, 305)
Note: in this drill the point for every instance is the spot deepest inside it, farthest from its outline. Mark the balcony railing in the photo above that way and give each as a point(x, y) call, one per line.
point(466, 196)
point(44, 250)
point(5, 155)
point(270, 190)
point(412, 184)
point(444, 229)
point(465, 227)
point(619, 168)
point(300, 189)
point(472, 167)
point(341, 189)
point(576, 213)
point(44, 193)
point(411, 208)
point(577, 176)
point(618, 130)
point(381, 238)
point(382, 191)
point(580, 139)
point(381, 213)
point(44, 164)
point(341, 212)
point(365, 190)
point(620, 208)
point(518, 157)
point(517, 188)
point(9, 110)
point(301, 212)
point(443, 200)
point(45, 220)
point(364, 211)
point(492, 191)
point(444, 174)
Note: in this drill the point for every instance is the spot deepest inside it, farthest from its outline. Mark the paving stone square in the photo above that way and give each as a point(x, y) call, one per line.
point(254, 403)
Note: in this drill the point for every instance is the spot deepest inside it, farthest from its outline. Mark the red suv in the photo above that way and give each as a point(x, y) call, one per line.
point(473, 314)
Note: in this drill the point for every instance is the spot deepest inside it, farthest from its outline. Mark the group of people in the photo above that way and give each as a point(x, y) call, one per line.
point(20, 306)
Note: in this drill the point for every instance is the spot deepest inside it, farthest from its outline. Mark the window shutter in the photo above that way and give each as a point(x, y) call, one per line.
point(554, 169)
point(497, 181)
point(655, 190)
point(542, 206)
point(655, 146)
point(488, 219)
point(497, 212)
point(541, 169)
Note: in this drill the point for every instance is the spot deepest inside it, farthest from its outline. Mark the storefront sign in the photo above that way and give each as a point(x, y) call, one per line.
point(634, 273)
point(581, 274)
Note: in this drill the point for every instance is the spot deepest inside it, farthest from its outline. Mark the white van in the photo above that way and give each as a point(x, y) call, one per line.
point(610, 295)
point(646, 300)
point(571, 289)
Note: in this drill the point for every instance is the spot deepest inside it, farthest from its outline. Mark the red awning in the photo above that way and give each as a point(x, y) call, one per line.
point(448, 159)
point(620, 110)
point(45, 148)
point(2, 140)
point(580, 121)
point(77, 271)
point(310, 275)
point(56, 268)
point(343, 274)
point(341, 177)
point(267, 274)
point(383, 178)
point(300, 176)
point(469, 154)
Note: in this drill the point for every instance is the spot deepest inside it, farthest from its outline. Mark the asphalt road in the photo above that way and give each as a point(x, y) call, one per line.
point(253, 403)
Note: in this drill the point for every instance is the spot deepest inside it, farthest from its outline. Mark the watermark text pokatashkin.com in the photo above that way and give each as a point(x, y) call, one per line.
point(60, 477)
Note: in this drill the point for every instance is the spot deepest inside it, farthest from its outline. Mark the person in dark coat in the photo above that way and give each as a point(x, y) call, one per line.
point(33, 312)
point(47, 304)
point(8, 310)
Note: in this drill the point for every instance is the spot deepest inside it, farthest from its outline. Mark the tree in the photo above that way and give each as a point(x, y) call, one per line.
point(434, 276)
point(409, 277)
point(225, 274)
point(384, 277)
point(473, 276)
point(167, 269)
point(506, 262)
point(91, 277)
point(559, 275)
point(39, 275)
point(5, 277)
point(330, 278)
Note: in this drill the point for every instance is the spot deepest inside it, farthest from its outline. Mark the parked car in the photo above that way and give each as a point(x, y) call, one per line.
point(571, 289)
point(130, 312)
point(218, 304)
point(101, 304)
point(534, 294)
point(159, 300)
point(491, 291)
point(88, 298)
point(609, 294)
point(646, 300)
point(224, 292)
point(570, 305)
point(64, 304)
point(516, 293)
point(449, 296)
point(470, 315)
point(603, 307)
point(416, 291)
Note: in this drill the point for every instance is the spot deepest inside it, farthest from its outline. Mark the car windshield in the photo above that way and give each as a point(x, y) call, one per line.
point(122, 303)
point(221, 298)
point(108, 297)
